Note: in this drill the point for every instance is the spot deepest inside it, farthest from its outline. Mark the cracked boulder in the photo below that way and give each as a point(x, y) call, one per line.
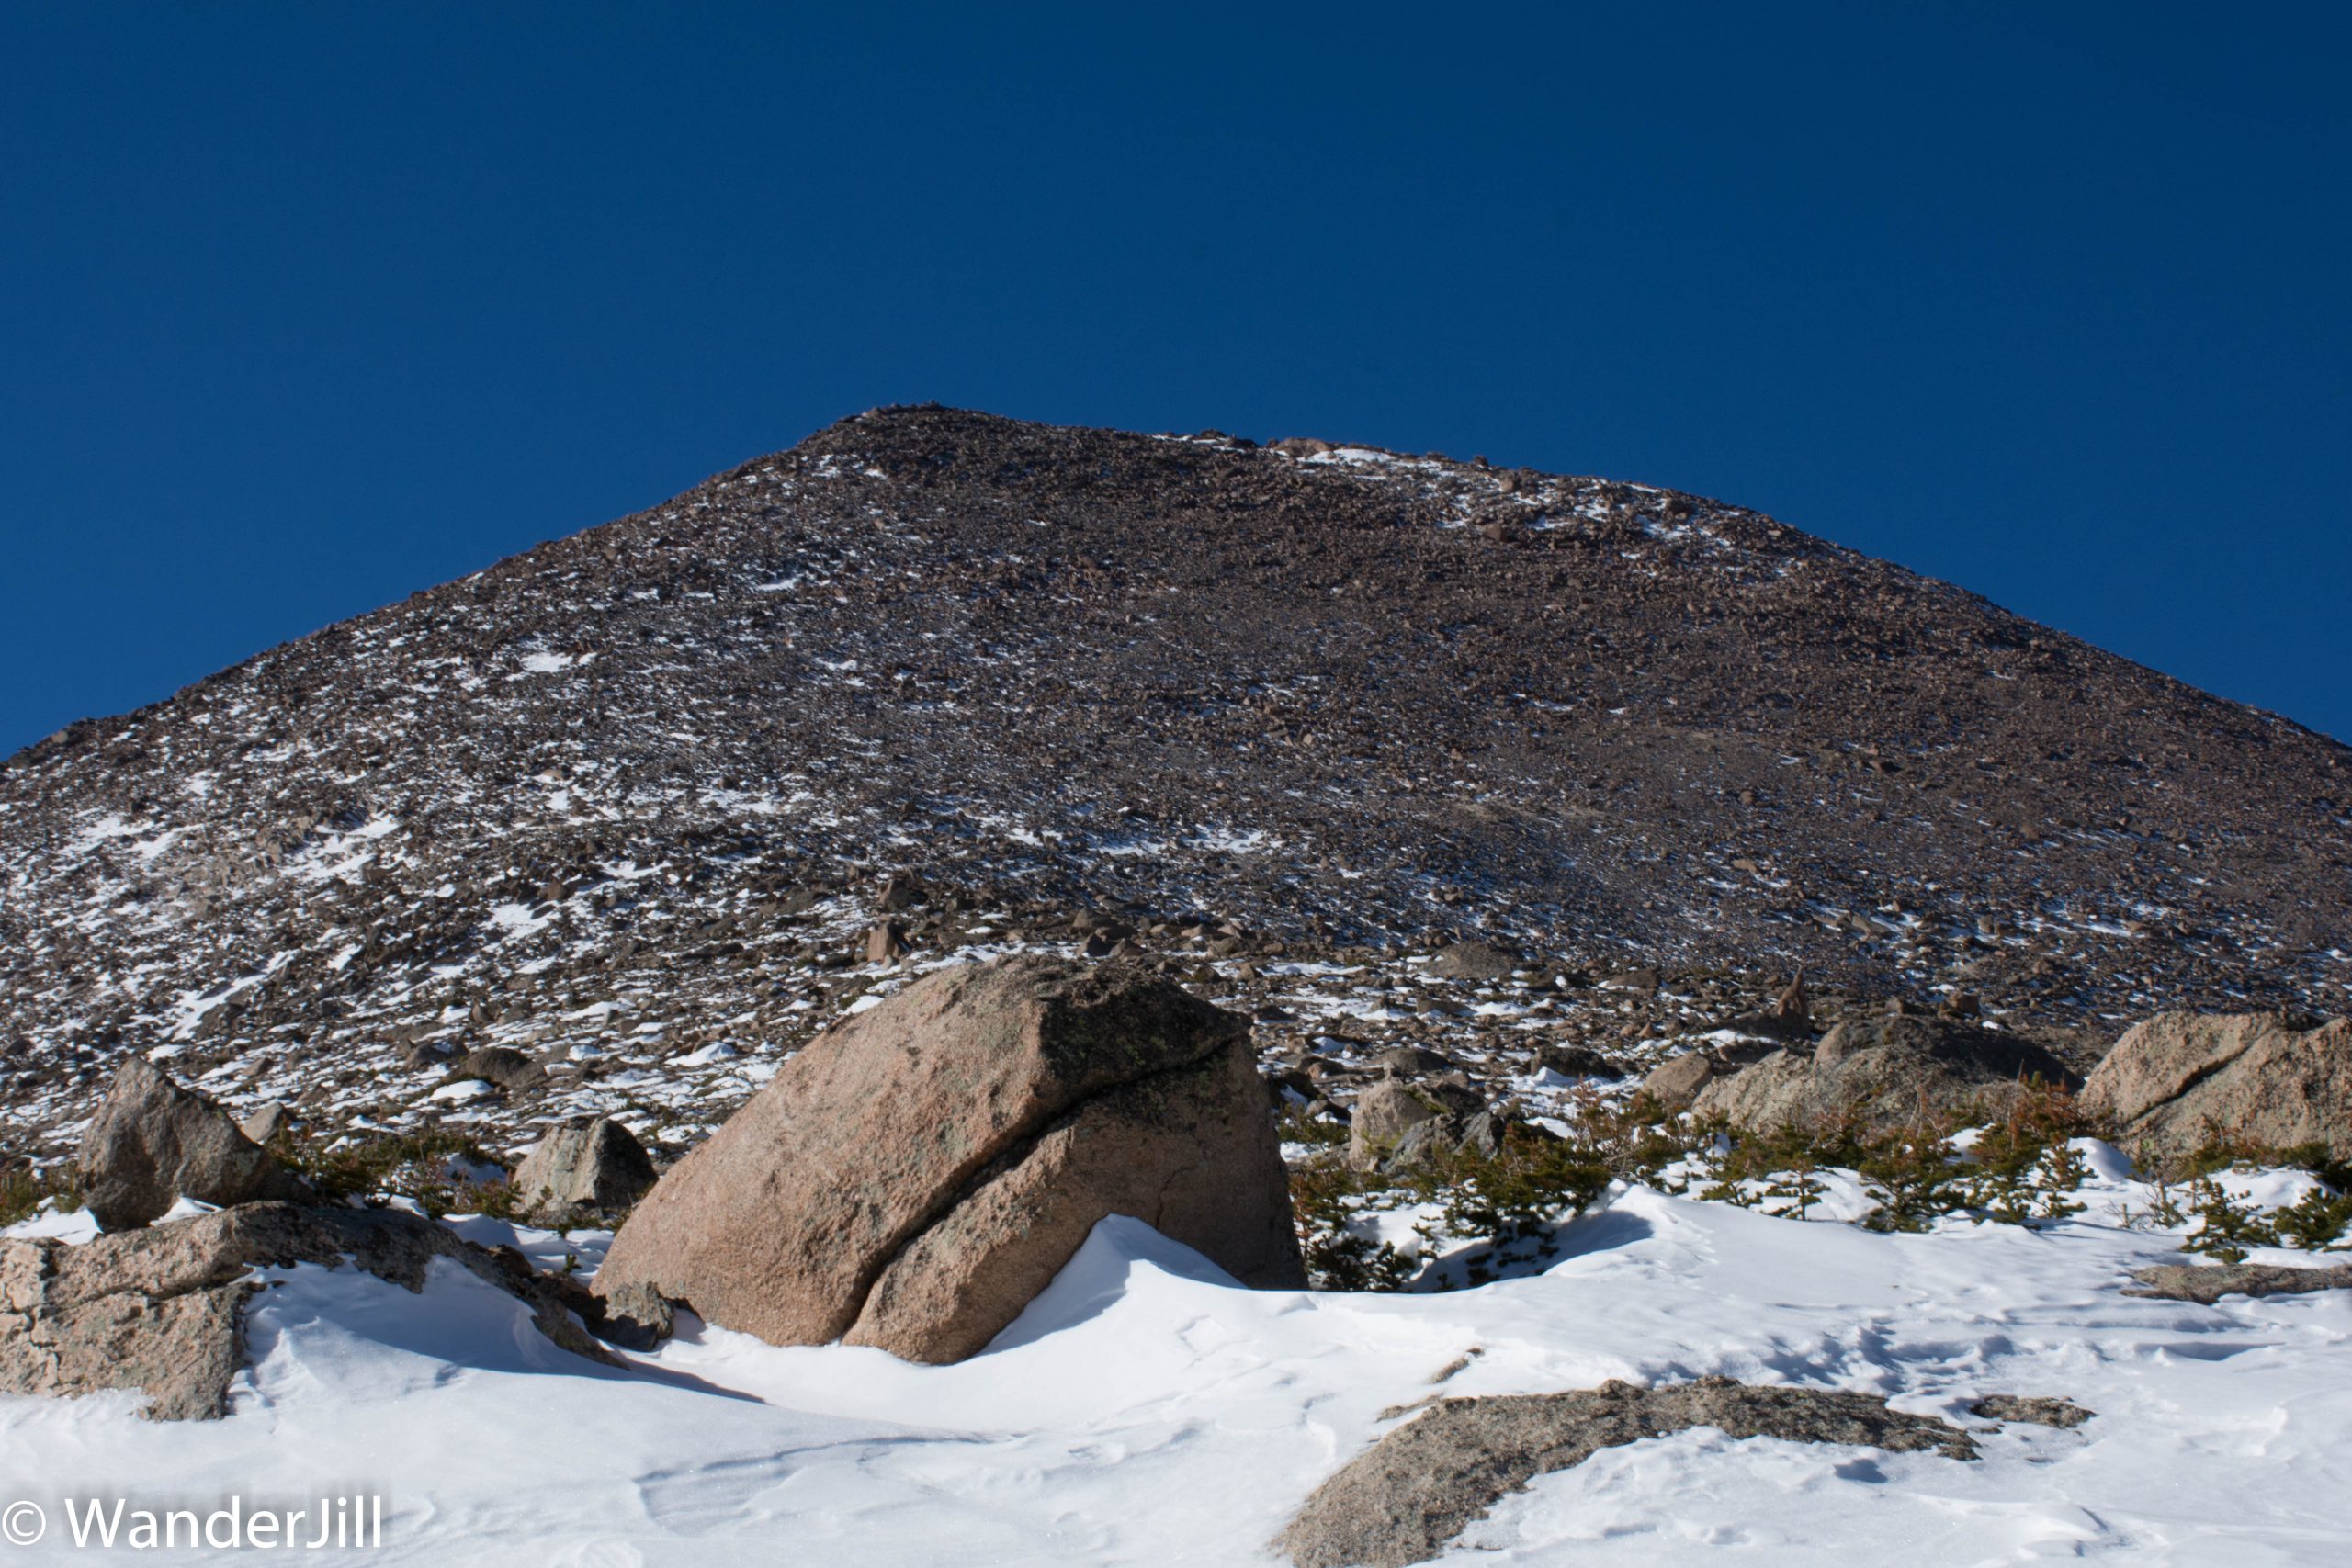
point(154, 1142)
point(917, 1174)
point(1404, 1498)
point(159, 1309)
point(2180, 1081)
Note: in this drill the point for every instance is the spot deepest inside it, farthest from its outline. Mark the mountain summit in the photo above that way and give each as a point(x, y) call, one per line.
point(1307, 698)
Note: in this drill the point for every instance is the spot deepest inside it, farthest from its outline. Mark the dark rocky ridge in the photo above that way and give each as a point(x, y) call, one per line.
point(628, 797)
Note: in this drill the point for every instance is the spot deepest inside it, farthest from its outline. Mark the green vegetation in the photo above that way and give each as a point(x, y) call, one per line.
point(23, 1188)
point(2019, 1166)
point(432, 1168)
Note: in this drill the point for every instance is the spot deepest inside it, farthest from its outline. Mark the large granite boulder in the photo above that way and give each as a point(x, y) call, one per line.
point(2179, 1081)
point(922, 1169)
point(154, 1142)
point(595, 1166)
point(159, 1309)
point(1884, 1073)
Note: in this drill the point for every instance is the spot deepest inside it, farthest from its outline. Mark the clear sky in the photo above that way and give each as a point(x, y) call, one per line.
point(306, 306)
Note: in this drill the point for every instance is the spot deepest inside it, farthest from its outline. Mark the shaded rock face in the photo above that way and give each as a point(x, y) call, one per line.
point(593, 1165)
point(1404, 1498)
point(159, 1309)
point(2178, 1081)
point(1883, 1072)
point(153, 1141)
point(914, 1177)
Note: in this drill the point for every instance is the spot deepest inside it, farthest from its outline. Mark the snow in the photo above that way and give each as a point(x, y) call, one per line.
point(1144, 1410)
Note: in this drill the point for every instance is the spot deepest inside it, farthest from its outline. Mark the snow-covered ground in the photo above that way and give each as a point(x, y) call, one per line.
point(1146, 1411)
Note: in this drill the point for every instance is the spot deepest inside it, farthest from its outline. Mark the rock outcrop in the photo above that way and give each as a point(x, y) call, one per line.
point(2206, 1283)
point(154, 1142)
point(1402, 1499)
point(159, 1309)
point(918, 1173)
point(594, 1166)
point(1882, 1073)
point(2180, 1081)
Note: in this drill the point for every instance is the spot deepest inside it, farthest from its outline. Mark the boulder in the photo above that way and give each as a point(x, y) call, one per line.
point(1388, 1110)
point(159, 1309)
point(1676, 1083)
point(266, 1122)
point(1473, 961)
point(1400, 1501)
point(919, 1170)
point(596, 1164)
point(1410, 1062)
point(2179, 1081)
point(154, 1142)
point(1575, 1061)
point(500, 1065)
point(1884, 1073)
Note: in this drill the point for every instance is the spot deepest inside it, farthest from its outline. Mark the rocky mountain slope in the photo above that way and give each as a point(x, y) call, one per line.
point(623, 810)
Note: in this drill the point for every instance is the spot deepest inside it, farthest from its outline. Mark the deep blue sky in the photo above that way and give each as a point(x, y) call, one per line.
point(305, 307)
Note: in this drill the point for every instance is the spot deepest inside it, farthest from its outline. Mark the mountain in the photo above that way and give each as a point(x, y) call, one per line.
point(625, 803)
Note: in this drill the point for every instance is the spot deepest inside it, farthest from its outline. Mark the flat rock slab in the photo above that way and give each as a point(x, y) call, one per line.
point(159, 1309)
point(1404, 1498)
point(2038, 1409)
point(2206, 1283)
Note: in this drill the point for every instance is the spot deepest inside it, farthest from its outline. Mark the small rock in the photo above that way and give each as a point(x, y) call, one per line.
point(265, 1124)
point(2039, 1409)
point(500, 1065)
point(886, 943)
point(636, 1317)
